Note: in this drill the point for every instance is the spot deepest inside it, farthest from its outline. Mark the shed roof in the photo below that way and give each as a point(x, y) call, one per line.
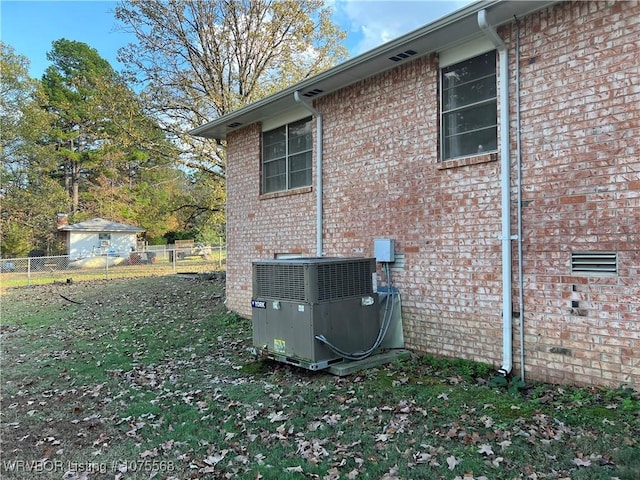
point(100, 225)
point(447, 32)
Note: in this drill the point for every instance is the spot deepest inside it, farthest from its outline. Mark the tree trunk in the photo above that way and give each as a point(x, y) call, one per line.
point(75, 186)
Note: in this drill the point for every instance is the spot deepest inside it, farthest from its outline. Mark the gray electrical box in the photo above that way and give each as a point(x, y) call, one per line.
point(296, 299)
point(384, 249)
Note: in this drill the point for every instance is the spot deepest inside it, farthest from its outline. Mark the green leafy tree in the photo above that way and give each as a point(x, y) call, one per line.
point(79, 142)
point(30, 199)
point(137, 180)
point(23, 124)
point(201, 208)
point(108, 148)
point(29, 217)
point(16, 89)
point(72, 86)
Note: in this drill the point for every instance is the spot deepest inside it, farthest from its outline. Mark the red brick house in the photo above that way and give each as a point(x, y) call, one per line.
point(499, 147)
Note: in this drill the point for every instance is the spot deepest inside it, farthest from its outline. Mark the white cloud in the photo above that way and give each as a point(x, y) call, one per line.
point(371, 23)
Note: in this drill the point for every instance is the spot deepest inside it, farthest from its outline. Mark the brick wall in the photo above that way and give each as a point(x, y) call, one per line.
point(258, 227)
point(386, 181)
point(580, 110)
point(580, 83)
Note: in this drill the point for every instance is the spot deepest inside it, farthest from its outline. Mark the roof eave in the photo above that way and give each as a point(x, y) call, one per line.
point(433, 37)
point(111, 230)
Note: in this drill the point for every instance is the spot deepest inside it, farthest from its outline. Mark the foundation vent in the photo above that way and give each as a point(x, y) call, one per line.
point(594, 263)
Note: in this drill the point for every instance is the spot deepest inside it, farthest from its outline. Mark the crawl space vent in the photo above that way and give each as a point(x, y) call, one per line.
point(594, 263)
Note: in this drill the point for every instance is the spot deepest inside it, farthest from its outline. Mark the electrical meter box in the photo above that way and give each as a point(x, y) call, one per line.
point(294, 300)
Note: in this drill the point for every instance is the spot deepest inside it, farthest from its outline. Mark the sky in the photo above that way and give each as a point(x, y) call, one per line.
point(31, 26)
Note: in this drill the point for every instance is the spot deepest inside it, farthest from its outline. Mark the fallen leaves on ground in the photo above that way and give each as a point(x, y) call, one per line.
point(159, 348)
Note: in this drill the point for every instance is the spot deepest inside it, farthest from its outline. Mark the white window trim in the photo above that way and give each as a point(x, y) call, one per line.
point(285, 118)
point(465, 51)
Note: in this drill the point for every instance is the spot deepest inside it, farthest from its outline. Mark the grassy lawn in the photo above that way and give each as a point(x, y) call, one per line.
point(152, 378)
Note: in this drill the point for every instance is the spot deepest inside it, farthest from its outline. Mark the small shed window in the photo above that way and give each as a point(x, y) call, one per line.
point(594, 263)
point(104, 236)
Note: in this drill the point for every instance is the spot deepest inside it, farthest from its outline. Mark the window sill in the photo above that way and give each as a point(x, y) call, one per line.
point(464, 161)
point(285, 193)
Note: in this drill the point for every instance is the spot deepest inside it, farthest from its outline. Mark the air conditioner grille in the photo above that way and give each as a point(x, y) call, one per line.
point(313, 280)
point(347, 279)
point(280, 280)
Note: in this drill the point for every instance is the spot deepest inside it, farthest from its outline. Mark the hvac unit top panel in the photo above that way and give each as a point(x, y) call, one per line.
point(313, 280)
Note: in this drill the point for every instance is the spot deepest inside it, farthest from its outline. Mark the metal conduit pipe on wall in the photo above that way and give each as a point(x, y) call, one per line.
point(519, 207)
point(505, 181)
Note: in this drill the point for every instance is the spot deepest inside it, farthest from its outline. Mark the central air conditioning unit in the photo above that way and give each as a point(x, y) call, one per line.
point(305, 310)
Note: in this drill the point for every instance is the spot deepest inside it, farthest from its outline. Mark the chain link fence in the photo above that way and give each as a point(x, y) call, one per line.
point(152, 261)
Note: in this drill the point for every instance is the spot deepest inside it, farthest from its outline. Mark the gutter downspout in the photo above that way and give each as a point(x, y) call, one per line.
point(319, 187)
point(505, 181)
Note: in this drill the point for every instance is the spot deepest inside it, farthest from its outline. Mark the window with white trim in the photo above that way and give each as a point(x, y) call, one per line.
point(469, 121)
point(287, 156)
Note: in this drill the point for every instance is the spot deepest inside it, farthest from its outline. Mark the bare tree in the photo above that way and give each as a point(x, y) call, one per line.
point(199, 59)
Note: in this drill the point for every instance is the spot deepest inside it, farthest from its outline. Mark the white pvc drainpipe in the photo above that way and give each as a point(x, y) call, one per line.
point(319, 187)
point(505, 182)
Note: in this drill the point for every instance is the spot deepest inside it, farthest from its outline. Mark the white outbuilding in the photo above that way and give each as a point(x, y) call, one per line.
point(98, 237)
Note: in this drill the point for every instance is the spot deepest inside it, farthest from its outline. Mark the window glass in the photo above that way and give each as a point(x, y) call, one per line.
point(470, 70)
point(275, 184)
point(473, 143)
point(300, 171)
point(301, 161)
point(274, 143)
point(300, 137)
point(275, 175)
point(474, 91)
point(469, 107)
point(287, 156)
point(275, 167)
